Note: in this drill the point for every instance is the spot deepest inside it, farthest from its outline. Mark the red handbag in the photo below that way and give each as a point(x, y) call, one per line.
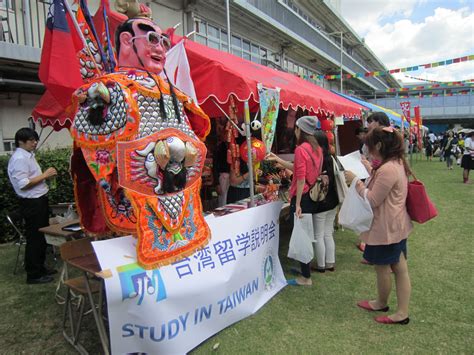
point(419, 206)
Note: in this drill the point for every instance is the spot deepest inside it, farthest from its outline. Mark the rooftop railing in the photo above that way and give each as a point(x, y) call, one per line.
point(314, 36)
point(457, 106)
point(23, 21)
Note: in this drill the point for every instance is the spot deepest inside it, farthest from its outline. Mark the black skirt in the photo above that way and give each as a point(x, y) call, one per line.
point(467, 162)
point(385, 254)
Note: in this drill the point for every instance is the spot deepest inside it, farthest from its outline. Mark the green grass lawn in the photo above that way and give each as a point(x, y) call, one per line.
point(321, 319)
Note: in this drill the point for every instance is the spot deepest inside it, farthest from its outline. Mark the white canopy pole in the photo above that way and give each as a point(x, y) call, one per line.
point(249, 150)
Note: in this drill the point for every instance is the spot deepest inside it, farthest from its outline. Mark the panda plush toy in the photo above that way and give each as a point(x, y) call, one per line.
point(255, 125)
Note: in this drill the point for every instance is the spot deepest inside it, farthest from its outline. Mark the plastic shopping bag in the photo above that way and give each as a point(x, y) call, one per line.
point(301, 242)
point(356, 213)
point(341, 186)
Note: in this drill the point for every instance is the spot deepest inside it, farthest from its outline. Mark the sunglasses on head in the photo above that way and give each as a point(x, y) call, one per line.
point(155, 39)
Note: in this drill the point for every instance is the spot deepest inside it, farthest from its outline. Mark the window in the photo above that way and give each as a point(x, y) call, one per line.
point(224, 38)
point(246, 45)
point(216, 37)
point(213, 32)
point(255, 54)
point(290, 5)
point(6, 4)
point(213, 44)
point(213, 37)
point(201, 28)
point(290, 66)
point(201, 40)
point(246, 50)
point(236, 41)
point(236, 46)
point(8, 145)
point(255, 50)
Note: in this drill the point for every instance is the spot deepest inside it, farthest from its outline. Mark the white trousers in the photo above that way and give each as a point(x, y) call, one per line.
point(325, 248)
point(224, 182)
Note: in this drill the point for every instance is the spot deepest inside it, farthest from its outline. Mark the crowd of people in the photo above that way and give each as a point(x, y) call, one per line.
point(383, 151)
point(385, 244)
point(452, 148)
point(383, 154)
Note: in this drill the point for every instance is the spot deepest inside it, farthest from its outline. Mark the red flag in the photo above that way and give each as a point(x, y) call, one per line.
point(418, 121)
point(59, 67)
point(90, 56)
point(114, 20)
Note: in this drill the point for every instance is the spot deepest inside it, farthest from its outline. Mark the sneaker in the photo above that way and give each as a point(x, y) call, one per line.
point(40, 280)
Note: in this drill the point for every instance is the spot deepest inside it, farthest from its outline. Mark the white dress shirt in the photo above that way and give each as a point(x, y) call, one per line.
point(469, 143)
point(22, 167)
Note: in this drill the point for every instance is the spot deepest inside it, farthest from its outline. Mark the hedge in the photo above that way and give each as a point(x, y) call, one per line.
point(57, 158)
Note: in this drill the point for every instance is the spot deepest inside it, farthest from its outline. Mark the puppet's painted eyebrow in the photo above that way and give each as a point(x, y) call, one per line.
point(145, 27)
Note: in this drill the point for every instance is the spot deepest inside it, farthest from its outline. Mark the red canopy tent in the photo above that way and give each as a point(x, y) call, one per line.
point(218, 75)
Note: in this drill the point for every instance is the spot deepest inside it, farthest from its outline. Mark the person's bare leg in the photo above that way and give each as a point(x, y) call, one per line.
point(384, 286)
point(403, 287)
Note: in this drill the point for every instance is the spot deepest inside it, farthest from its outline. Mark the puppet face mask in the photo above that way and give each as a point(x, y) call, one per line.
point(146, 48)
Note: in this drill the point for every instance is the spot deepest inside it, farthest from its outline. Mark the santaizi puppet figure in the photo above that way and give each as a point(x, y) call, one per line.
point(138, 151)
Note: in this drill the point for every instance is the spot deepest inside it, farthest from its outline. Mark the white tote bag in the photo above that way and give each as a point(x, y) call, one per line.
point(301, 242)
point(356, 213)
point(340, 180)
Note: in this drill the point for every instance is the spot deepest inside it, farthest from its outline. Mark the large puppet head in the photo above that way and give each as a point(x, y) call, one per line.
point(141, 44)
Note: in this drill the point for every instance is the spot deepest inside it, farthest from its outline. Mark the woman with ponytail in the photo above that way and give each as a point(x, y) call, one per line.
point(386, 241)
point(323, 220)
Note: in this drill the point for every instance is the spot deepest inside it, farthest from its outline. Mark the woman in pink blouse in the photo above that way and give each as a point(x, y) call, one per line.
point(386, 241)
point(306, 167)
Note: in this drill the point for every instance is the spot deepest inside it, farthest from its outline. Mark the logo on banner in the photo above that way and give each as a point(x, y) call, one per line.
point(136, 283)
point(268, 272)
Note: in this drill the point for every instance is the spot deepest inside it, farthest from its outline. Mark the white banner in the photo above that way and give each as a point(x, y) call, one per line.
point(178, 70)
point(173, 309)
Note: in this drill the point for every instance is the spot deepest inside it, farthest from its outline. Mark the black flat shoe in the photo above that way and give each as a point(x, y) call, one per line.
point(48, 272)
point(387, 320)
point(317, 269)
point(40, 280)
